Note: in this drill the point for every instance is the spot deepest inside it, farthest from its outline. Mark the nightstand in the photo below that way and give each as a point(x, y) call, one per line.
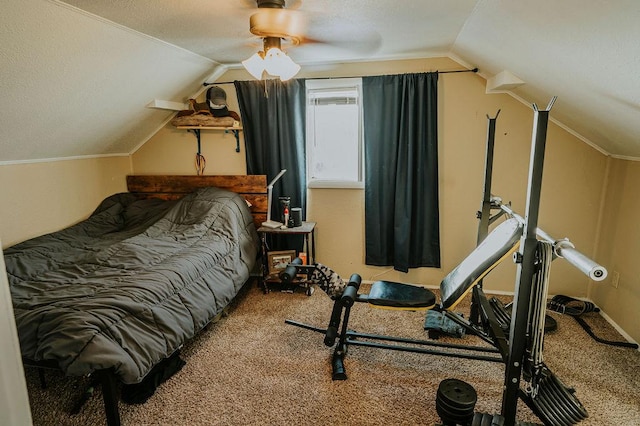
point(307, 229)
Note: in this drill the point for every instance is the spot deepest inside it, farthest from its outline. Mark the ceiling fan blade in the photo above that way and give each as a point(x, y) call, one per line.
point(361, 40)
point(315, 29)
point(363, 47)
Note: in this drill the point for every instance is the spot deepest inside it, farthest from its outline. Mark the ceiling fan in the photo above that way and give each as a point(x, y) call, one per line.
point(275, 24)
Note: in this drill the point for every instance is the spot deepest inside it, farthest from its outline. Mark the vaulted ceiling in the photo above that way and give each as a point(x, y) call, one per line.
point(77, 76)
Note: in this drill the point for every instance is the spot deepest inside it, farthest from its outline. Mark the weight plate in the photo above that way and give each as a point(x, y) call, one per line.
point(565, 407)
point(448, 417)
point(457, 393)
point(546, 409)
point(453, 410)
point(581, 411)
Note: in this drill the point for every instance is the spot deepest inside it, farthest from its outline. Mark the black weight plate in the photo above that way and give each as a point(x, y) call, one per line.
point(570, 397)
point(453, 413)
point(543, 408)
point(486, 420)
point(457, 393)
point(547, 409)
point(498, 420)
point(455, 407)
point(477, 418)
point(447, 417)
point(453, 410)
point(565, 407)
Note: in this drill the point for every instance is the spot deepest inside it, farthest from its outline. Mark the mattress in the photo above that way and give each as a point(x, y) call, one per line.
point(126, 287)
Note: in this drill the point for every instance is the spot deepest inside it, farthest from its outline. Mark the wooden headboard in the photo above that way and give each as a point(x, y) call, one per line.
point(170, 187)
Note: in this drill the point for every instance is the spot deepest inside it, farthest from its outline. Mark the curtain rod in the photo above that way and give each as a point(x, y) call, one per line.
point(474, 70)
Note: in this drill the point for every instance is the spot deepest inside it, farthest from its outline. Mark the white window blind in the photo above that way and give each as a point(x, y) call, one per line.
point(334, 133)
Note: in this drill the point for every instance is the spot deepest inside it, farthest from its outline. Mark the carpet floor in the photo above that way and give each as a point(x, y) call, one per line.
point(252, 368)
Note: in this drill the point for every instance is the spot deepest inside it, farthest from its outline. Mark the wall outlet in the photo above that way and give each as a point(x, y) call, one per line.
point(615, 279)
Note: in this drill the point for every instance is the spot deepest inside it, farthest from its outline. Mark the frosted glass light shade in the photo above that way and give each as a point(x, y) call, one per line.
point(289, 70)
point(277, 63)
point(254, 65)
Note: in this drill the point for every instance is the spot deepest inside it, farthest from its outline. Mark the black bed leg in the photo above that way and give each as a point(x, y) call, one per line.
point(110, 396)
point(43, 381)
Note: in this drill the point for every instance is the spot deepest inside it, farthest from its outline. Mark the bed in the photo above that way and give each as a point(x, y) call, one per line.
point(121, 291)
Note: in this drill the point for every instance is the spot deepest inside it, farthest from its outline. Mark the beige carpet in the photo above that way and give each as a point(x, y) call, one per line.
point(253, 369)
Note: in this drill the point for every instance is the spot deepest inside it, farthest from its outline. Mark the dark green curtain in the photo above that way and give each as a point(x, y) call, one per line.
point(401, 170)
point(273, 121)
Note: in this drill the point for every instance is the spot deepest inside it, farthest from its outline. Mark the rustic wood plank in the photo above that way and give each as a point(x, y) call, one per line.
point(185, 184)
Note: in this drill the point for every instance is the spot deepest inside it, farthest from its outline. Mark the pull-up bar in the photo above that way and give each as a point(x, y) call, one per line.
point(565, 249)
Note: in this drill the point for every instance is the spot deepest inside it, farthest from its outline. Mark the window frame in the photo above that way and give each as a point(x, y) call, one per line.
point(338, 84)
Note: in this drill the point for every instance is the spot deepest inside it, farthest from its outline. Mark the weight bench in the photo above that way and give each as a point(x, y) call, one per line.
point(498, 245)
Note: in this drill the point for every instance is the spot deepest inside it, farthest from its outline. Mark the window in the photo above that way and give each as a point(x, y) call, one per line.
point(334, 133)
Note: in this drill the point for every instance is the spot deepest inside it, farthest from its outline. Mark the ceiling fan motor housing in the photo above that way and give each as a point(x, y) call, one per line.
point(273, 4)
point(275, 21)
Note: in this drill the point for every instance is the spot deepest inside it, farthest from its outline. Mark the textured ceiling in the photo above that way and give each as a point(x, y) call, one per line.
point(76, 75)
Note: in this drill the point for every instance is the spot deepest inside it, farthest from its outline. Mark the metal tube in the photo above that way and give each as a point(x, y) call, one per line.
point(485, 212)
point(566, 250)
point(525, 260)
point(587, 266)
point(485, 208)
point(425, 351)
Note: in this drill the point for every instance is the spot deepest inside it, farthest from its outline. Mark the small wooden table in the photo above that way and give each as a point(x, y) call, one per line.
point(307, 229)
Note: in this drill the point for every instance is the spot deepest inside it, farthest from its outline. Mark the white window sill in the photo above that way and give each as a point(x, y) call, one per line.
point(334, 184)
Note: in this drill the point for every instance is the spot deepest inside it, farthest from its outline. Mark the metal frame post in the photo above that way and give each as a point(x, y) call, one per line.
point(485, 209)
point(525, 259)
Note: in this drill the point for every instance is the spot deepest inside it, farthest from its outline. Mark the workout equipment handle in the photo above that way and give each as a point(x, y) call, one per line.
point(290, 271)
point(566, 250)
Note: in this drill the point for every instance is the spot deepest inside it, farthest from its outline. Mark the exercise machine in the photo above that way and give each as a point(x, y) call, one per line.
point(520, 347)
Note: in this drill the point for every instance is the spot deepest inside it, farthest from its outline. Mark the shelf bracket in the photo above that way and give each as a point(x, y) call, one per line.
point(235, 133)
point(196, 131)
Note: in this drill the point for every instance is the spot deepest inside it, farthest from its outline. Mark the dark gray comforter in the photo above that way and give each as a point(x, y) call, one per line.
point(129, 285)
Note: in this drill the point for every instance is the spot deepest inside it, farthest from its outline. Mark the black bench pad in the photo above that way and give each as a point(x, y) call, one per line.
point(402, 296)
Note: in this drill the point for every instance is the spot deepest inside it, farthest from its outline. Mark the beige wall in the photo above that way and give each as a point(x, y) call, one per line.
point(571, 191)
point(619, 247)
point(44, 197)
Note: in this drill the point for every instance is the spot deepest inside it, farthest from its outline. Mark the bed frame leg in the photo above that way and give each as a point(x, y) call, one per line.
point(43, 381)
point(110, 396)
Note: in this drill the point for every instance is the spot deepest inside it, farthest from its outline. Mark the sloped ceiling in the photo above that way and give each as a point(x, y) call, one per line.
point(76, 76)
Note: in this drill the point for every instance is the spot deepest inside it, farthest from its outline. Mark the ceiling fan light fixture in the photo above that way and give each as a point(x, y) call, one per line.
point(290, 72)
point(272, 60)
point(255, 65)
point(278, 64)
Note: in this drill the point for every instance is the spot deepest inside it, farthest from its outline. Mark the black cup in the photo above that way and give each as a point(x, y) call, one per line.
point(296, 215)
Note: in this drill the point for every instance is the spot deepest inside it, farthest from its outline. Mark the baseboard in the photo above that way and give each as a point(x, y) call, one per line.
point(618, 328)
